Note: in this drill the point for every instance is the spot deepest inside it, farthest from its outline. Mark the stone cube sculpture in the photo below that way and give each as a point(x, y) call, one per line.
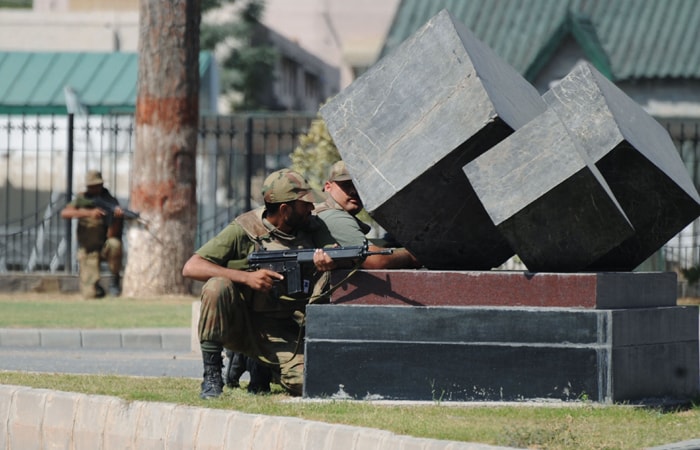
point(407, 126)
point(637, 158)
point(548, 199)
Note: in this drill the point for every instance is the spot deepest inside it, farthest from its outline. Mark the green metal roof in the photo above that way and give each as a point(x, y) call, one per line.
point(624, 39)
point(33, 82)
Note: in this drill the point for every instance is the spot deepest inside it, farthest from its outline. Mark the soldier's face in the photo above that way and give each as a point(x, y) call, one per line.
point(93, 190)
point(345, 194)
point(298, 214)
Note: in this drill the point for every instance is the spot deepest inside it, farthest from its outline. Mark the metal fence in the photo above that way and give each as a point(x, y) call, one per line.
point(43, 160)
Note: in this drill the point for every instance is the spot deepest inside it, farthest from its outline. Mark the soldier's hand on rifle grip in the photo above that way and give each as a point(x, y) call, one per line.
point(118, 212)
point(263, 279)
point(322, 261)
point(96, 213)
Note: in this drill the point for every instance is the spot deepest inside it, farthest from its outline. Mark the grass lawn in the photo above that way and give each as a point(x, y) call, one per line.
point(571, 426)
point(72, 311)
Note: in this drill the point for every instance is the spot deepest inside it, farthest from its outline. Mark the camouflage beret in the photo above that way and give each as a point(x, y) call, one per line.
point(286, 185)
point(93, 178)
point(339, 172)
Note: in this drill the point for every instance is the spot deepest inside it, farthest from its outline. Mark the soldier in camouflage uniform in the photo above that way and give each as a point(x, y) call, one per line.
point(240, 309)
point(99, 235)
point(339, 213)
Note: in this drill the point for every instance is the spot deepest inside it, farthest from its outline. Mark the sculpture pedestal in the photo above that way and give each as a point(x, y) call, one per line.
point(471, 336)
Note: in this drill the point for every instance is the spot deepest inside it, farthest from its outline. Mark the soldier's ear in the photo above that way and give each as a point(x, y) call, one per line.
point(285, 208)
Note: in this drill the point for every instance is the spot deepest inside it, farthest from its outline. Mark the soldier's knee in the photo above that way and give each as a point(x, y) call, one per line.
point(292, 376)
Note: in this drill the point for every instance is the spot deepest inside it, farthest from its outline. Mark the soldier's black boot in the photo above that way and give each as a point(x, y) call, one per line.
point(99, 290)
point(260, 377)
point(213, 383)
point(115, 285)
point(234, 368)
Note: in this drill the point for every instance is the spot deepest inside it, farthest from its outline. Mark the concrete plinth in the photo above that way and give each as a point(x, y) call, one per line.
point(637, 158)
point(501, 354)
point(561, 344)
point(407, 126)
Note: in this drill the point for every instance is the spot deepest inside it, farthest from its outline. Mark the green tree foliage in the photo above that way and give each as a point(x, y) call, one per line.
point(315, 154)
point(246, 60)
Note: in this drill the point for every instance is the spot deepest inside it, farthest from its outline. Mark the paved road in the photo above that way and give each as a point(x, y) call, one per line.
point(151, 363)
point(132, 352)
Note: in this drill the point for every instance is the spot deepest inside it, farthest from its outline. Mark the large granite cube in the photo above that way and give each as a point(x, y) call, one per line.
point(408, 125)
point(548, 199)
point(637, 158)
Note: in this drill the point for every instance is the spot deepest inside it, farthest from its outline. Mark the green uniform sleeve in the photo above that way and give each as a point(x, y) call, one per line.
point(343, 227)
point(229, 248)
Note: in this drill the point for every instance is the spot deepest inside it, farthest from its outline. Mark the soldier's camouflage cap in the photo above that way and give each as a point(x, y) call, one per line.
point(93, 178)
point(339, 172)
point(286, 185)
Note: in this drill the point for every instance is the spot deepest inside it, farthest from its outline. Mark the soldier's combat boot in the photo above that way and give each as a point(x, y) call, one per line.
point(234, 368)
point(99, 290)
point(260, 377)
point(114, 285)
point(213, 383)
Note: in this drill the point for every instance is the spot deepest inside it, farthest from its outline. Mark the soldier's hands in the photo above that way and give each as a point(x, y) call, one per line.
point(263, 279)
point(322, 261)
point(118, 212)
point(95, 213)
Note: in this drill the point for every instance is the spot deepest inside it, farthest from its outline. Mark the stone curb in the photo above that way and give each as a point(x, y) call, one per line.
point(131, 339)
point(39, 418)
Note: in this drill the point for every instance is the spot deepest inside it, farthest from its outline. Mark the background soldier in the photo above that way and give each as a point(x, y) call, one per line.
point(100, 223)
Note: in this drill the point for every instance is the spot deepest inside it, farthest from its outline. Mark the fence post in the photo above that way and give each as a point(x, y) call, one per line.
point(68, 268)
point(249, 163)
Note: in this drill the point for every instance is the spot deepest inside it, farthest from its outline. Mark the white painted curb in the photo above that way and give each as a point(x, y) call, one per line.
point(44, 419)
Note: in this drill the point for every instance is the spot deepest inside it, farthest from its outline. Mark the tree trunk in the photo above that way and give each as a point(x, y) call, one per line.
point(164, 165)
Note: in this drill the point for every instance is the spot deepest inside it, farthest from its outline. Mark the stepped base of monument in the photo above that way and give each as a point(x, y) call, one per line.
point(638, 352)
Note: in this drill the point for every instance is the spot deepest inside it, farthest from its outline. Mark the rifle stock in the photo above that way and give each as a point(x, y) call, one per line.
point(289, 262)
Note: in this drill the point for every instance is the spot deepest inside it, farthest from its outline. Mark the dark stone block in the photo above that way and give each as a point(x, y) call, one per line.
point(547, 198)
point(408, 125)
point(475, 372)
point(637, 158)
point(473, 353)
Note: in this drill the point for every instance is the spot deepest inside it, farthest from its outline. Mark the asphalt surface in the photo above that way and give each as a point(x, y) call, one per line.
point(107, 362)
point(150, 353)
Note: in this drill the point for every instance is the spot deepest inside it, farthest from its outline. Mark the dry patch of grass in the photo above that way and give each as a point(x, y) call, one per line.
point(689, 301)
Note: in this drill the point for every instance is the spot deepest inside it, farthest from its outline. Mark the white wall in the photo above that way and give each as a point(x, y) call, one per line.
point(62, 31)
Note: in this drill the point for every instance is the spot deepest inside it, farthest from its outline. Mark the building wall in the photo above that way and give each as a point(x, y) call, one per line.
point(68, 31)
point(663, 99)
point(345, 34)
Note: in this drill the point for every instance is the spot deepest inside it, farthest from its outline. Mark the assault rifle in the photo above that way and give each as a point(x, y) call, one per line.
point(289, 262)
point(109, 210)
